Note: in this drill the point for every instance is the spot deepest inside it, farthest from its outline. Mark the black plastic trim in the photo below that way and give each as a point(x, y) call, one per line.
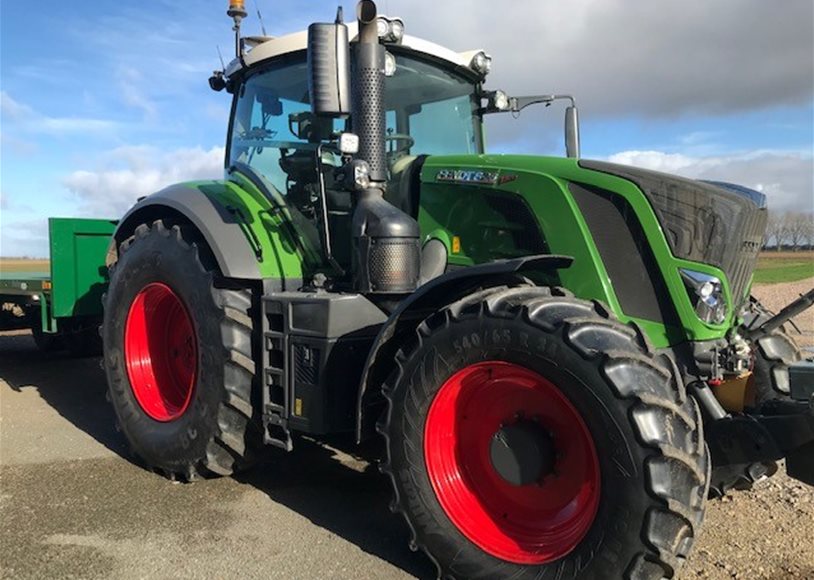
point(629, 261)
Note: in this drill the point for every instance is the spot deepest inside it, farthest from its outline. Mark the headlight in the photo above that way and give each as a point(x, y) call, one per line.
point(707, 296)
point(481, 63)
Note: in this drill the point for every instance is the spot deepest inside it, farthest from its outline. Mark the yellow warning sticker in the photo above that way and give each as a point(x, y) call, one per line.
point(298, 407)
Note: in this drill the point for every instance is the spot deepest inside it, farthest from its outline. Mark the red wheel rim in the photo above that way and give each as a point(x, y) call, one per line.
point(526, 524)
point(161, 352)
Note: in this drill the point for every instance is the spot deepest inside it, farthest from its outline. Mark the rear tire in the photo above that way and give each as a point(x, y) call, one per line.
point(647, 434)
point(179, 356)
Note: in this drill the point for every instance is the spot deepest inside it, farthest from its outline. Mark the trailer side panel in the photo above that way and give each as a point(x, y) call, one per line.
point(78, 272)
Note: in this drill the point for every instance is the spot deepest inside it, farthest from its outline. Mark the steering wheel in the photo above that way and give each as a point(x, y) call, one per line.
point(403, 143)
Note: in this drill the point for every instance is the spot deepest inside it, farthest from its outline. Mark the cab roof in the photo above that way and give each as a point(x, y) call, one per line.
point(262, 48)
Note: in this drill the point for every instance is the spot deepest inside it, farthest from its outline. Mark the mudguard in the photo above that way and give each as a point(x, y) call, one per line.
point(435, 294)
point(221, 228)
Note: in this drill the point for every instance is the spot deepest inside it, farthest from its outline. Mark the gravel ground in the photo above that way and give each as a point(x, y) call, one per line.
point(72, 505)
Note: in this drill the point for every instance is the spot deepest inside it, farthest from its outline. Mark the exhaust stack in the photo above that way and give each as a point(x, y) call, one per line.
point(368, 93)
point(386, 250)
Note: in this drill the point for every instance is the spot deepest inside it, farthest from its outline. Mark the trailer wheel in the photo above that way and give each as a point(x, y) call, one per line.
point(178, 352)
point(530, 434)
point(773, 354)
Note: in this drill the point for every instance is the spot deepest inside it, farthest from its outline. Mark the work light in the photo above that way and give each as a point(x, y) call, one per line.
point(389, 64)
point(481, 63)
point(390, 30)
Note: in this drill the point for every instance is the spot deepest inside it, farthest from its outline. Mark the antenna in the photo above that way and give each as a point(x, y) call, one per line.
point(220, 56)
point(260, 18)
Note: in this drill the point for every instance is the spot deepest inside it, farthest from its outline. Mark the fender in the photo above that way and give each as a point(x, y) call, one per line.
point(220, 227)
point(433, 295)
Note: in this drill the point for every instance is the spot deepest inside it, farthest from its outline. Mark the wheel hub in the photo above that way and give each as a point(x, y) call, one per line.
point(161, 352)
point(486, 471)
point(522, 453)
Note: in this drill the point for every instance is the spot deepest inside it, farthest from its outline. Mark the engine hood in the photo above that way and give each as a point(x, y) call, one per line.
point(681, 186)
point(716, 223)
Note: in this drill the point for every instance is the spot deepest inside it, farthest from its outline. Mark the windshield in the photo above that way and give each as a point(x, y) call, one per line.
point(435, 107)
point(429, 111)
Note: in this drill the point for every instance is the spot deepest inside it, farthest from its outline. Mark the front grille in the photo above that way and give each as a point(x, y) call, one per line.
point(739, 265)
point(719, 224)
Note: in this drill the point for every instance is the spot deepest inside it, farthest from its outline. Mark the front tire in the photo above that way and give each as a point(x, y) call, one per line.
point(621, 487)
point(178, 353)
point(773, 354)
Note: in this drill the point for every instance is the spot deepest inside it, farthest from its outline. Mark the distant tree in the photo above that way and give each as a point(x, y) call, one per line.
point(774, 230)
point(808, 231)
point(796, 228)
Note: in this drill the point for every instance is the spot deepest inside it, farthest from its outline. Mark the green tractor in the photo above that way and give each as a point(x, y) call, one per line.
point(561, 355)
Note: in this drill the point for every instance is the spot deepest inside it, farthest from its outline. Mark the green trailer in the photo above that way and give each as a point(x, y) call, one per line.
point(62, 306)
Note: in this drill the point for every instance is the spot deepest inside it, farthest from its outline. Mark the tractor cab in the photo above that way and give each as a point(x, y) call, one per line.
point(432, 107)
point(412, 99)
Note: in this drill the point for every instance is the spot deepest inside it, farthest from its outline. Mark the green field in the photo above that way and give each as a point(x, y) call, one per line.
point(10, 266)
point(774, 267)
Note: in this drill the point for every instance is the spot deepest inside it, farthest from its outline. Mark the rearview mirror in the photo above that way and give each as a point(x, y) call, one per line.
point(572, 132)
point(270, 105)
point(329, 69)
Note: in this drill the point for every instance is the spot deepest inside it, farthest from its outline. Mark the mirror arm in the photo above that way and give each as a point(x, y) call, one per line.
point(517, 104)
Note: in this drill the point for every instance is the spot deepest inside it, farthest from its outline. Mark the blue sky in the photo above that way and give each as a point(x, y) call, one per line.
point(103, 102)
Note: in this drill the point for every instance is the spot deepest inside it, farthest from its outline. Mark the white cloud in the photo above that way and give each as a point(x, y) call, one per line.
point(786, 177)
point(640, 57)
point(131, 82)
point(21, 116)
point(134, 171)
point(24, 238)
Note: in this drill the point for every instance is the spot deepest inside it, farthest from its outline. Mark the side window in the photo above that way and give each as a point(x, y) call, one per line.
point(266, 130)
point(276, 134)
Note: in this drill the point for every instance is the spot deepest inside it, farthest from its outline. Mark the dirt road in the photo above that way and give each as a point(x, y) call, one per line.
point(72, 505)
